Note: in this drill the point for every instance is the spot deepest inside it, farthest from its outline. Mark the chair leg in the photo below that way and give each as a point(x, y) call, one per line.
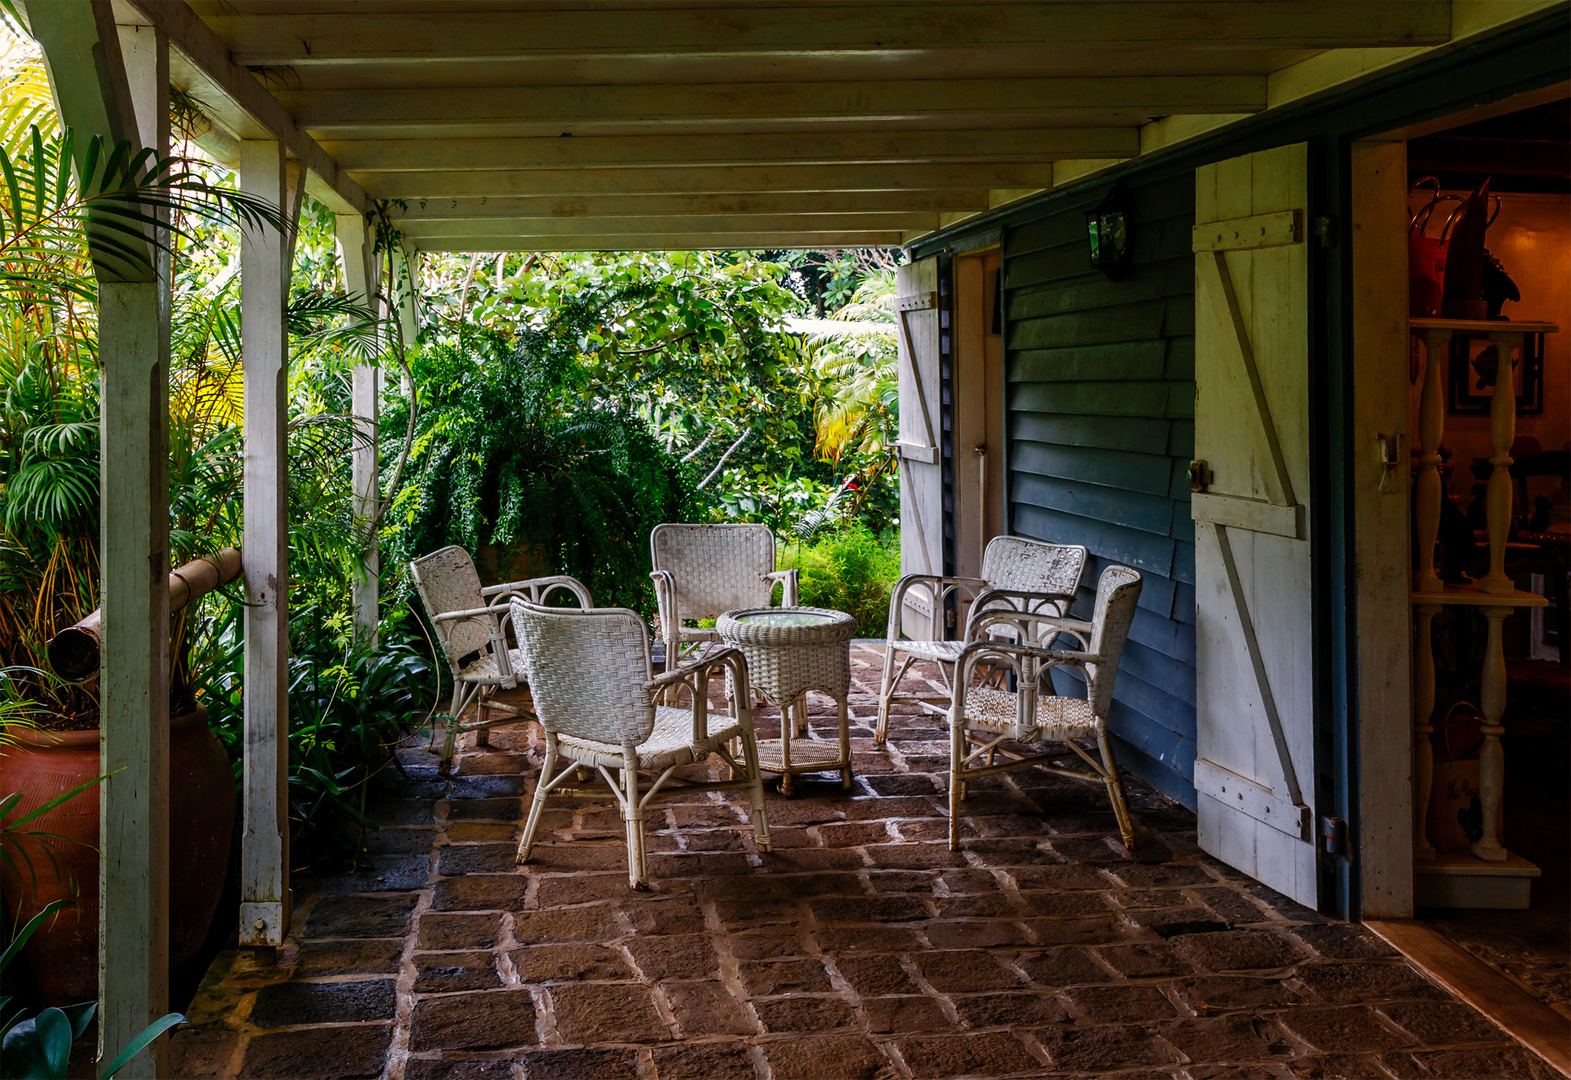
point(633, 814)
point(845, 745)
point(957, 757)
point(755, 791)
point(886, 688)
point(1115, 792)
point(483, 714)
point(527, 841)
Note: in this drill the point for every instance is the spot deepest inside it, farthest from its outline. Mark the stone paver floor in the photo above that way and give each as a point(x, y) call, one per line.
point(861, 947)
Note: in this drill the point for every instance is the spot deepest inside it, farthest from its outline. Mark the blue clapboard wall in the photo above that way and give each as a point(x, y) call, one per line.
point(1100, 398)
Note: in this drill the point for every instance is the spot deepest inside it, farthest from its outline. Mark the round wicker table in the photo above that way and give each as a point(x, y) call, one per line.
point(790, 651)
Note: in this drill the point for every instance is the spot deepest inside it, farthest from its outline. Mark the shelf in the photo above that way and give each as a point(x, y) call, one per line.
point(1483, 326)
point(1473, 596)
point(1460, 880)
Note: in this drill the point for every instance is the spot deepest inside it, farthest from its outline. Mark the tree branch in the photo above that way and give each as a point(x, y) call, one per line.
point(742, 438)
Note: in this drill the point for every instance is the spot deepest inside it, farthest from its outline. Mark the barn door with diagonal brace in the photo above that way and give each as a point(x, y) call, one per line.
point(1255, 746)
point(921, 470)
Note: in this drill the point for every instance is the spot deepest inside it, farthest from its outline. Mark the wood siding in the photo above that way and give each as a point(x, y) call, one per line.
point(1100, 395)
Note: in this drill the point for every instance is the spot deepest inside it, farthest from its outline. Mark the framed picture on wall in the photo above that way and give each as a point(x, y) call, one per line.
point(1471, 380)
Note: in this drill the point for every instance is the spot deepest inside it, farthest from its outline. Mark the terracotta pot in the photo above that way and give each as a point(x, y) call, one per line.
point(63, 953)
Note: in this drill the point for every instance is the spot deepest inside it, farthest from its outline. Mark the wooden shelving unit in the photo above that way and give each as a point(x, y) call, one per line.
point(1487, 875)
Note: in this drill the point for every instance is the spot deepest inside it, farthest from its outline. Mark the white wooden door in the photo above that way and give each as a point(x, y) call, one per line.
point(1254, 776)
point(921, 469)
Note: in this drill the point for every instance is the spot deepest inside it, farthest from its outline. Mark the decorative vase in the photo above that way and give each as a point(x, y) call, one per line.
point(1463, 296)
point(63, 953)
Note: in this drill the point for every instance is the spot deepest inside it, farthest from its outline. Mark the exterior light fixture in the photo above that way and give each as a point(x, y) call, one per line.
point(1109, 227)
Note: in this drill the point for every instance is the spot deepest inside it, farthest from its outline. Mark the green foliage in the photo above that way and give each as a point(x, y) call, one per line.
point(853, 570)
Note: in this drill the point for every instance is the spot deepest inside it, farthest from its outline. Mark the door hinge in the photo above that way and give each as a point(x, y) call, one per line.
point(1333, 835)
point(1325, 231)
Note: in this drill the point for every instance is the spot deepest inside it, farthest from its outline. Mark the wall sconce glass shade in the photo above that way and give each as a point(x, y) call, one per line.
point(1109, 229)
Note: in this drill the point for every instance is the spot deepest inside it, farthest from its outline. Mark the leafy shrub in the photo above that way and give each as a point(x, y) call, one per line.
point(853, 570)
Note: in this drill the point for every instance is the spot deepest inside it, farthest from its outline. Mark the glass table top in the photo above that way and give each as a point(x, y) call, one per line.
point(786, 618)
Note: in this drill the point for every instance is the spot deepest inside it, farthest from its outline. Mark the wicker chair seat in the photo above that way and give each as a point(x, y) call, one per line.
point(1057, 718)
point(485, 669)
point(943, 652)
point(670, 743)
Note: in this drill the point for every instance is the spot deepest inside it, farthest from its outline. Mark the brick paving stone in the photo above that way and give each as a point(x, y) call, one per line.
point(580, 1063)
point(825, 1057)
point(377, 956)
point(483, 1020)
point(292, 1003)
point(861, 947)
point(959, 1055)
point(606, 1012)
point(804, 1014)
point(360, 916)
point(890, 1015)
point(438, 972)
point(323, 1053)
point(966, 971)
point(1344, 1028)
point(704, 1061)
point(766, 978)
point(707, 1008)
point(1099, 1049)
point(571, 962)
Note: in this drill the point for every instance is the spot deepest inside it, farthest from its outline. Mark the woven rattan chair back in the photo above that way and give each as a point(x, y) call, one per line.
point(587, 671)
point(447, 581)
point(1013, 562)
point(1117, 594)
point(715, 568)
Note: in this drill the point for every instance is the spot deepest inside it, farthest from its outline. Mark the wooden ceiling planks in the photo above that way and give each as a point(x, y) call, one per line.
point(702, 123)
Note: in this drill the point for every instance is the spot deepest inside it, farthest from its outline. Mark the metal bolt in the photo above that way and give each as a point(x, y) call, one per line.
point(260, 924)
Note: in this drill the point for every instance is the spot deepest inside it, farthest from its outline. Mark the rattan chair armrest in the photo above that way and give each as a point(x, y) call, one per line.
point(468, 613)
point(1073, 657)
point(790, 595)
point(688, 671)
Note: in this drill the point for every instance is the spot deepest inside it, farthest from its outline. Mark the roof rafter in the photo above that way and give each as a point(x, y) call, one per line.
point(765, 202)
point(441, 36)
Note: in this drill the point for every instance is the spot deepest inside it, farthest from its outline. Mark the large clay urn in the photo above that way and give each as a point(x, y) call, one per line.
point(63, 953)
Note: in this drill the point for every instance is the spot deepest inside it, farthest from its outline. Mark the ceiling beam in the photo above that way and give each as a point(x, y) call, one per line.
point(418, 231)
point(437, 36)
point(902, 147)
point(664, 180)
point(200, 64)
point(992, 102)
point(666, 241)
point(771, 202)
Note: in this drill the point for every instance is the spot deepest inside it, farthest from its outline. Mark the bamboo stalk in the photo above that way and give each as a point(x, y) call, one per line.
point(74, 651)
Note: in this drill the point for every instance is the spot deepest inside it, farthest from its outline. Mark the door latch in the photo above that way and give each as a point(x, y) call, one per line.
point(1390, 460)
point(1199, 476)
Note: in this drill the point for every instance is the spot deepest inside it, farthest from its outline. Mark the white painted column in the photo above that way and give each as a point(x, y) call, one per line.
point(407, 283)
point(133, 329)
point(264, 285)
point(361, 274)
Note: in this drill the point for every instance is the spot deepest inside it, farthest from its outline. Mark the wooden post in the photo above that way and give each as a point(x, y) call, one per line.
point(1502, 433)
point(1431, 429)
point(102, 89)
point(264, 285)
point(1492, 703)
point(361, 275)
point(407, 283)
point(1423, 711)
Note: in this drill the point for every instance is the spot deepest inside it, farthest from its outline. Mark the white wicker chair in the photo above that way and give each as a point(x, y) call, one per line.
point(982, 719)
point(703, 571)
point(471, 624)
point(593, 691)
point(1017, 574)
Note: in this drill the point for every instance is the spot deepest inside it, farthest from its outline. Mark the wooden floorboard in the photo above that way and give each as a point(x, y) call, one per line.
point(1532, 1023)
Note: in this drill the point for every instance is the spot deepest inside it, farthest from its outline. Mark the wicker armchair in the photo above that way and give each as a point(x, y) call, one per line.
point(701, 571)
point(1017, 574)
point(983, 719)
point(602, 709)
point(471, 624)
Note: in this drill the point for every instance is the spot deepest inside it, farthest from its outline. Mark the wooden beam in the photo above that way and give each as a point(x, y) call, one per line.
point(554, 109)
point(743, 241)
point(361, 272)
point(678, 179)
point(202, 66)
point(419, 231)
point(437, 36)
point(872, 147)
point(265, 903)
point(601, 206)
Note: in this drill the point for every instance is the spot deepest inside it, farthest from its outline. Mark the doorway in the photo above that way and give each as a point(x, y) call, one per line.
point(978, 408)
